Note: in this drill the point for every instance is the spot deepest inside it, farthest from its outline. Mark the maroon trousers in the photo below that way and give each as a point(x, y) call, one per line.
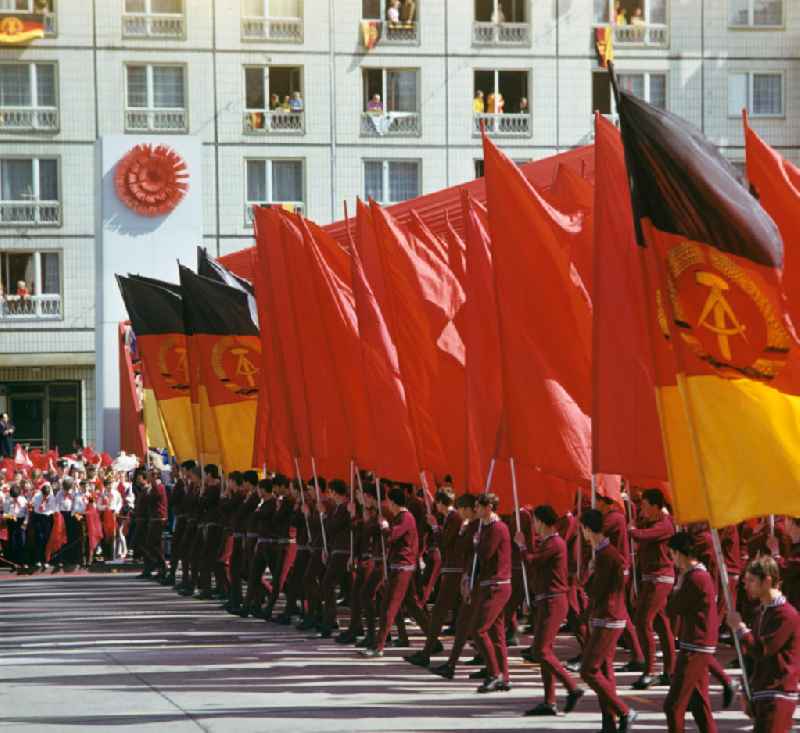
point(651, 615)
point(312, 581)
point(237, 570)
point(550, 614)
point(296, 579)
point(689, 691)
point(335, 573)
point(363, 571)
point(514, 600)
point(597, 670)
point(280, 557)
point(446, 602)
point(255, 585)
point(773, 716)
point(464, 624)
point(489, 630)
point(373, 584)
point(400, 593)
point(210, 555)
point(433, 568)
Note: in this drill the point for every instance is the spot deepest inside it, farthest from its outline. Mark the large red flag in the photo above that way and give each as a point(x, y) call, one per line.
point(456, 253)
point(57, 538)
point(544, 325)
point(776, 183)
point(626, 433)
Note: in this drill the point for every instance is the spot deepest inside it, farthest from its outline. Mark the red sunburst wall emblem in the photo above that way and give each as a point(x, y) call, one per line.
point(151, 179)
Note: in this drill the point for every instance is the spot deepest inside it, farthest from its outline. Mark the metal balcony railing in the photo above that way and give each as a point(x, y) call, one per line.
point(260, 122)
point(502, 125)
point(391, 124)
point(155, 120)
point(635, 35)
point(500, 34)
point(396, 33)
point(286, 30)
point(45, 307)
point(28, 118)
point(153, 25)
point(298, 207)
point(30, 213)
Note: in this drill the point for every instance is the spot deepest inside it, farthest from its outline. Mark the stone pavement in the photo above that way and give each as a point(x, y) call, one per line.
point(112, 653)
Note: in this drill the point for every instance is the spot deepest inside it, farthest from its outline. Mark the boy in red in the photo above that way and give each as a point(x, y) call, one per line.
point(694, 602)
point(607, 617)
point(774, 646)
point(548, 561)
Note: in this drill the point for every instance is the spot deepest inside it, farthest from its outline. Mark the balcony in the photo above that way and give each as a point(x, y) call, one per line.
point(39, 307)
point(155, 120)
point(30, 213)
point(500, 34)
point(638, 35)
point(502, 125)
point(391, 124)
point(24, 119)
point(149, 25)
point(390, 33)
point(296, 207)
point(282, 30)
point(274, 123)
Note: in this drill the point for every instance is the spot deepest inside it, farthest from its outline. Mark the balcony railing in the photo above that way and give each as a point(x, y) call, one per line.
point(274, 122)
point(502, 125)
point(396, 33)
point(28, 118)
point(286, 30)
point(153, 25)
point(500, 34)
point(297, 207)
point(391, 124)
point(636, 35)
point(30, 213)
point(155, 120)
point(46, 307)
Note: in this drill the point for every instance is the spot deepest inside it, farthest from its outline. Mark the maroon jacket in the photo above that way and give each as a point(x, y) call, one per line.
point(654, 558)
point(402, 541)
point(731, 549)
point(568, 529)
point(494, 553)
point(615, 528)
point(694, 600)
point(369, 543)
point(315, 524)
point(177, 497)
point(337, 527)
point(243, 513)
point(549, 561)
point(448, 538)
point(263, 518)
point(158, 502)
point(774, 645)
point(526, 527)
point(282, 518)
point(464, 547)
point(607, 593)
point(210, 505)
point(790, 575)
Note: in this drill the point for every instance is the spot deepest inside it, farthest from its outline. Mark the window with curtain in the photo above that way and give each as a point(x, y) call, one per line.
point(373, 180)
point(650, 87)
point(51, 273)
point(254, 87)
point(15, 85)
point(287, 180)
point(657, 12)
point(371, 9)
point(16, 179)
point(45, 85)
point(137, 87)
point(257, 180)
point(658, 90)
point(755, 12)
point(48, 179)
point(17, 266)
point(767, 94)
point(401, 90)
point(168, 87)
point(403, 180)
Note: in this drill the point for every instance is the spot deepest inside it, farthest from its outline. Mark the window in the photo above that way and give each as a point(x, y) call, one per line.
point(29, 191)
point(391, 181)
point(272, 20)
point(635, 22)
point(760, 93)
point(28, 97)
point(274, 182)
point(500, 11)
point(391, 102)
point(274, 99)
point(756, 13)
point(153, 19)
point(30, 285)
point(500, 23)
point(395, 20)
point(155, 98)
point(650, 87)
point(500, 101)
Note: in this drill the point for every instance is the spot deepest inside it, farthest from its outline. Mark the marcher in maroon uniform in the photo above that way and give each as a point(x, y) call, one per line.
point(790, 564)
point(494, 590)
point(607, 614)
point(511, 613)
point(774, 646)
point(247, 481)
point(262, 521)
point(154, 545)
point(375, 564)
point(453, 559)
point(337, 527)
point(282, 551)
point(658, 577)
point(694, 603)
point(548, 561)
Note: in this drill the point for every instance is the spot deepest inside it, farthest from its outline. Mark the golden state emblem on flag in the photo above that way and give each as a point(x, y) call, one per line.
point(16, 29)
point(236, 363)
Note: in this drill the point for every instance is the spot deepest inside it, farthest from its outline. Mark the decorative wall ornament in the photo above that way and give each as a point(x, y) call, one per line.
point(151, 179)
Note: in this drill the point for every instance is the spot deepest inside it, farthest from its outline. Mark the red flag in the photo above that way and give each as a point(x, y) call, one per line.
point(456, 253)
point(58, 537)
point(626, 432)
point(395, 455)
point(777, 185)
point(108, 521)
point(544, 325)
point(21, 459)
point(94, 529)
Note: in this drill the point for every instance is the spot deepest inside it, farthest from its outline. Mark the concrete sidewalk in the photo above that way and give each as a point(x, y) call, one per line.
point(112, 653)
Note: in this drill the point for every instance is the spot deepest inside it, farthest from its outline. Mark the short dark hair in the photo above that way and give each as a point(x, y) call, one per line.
point(489, 499)
point(764, 567)
point(212, 469)
point(654, 497)
point(444, 497)
point(236, 477)
point(280, 480)
point(338, 487)
point(266, 484)
point(592, 519)
point(466, 501)
point(251, 477)
point(196, 471)
point(546, 514)
point(188, 465)
point(683, 543)
point(321, 482)
point(448, 479)
point(369, 489)
point(397, 495)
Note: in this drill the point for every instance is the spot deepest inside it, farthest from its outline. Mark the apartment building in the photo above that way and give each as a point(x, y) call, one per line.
point(308, 104)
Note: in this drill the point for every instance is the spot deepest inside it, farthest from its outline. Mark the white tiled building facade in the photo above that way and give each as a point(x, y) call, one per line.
point(208, 68)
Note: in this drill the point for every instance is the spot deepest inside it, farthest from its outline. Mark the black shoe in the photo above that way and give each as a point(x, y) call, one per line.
point(573, 698)
point(494, 684)
point(345, 637)
point(420, 659)
point(445, 670)
point(366, 642)
point(449, 631)
point(664, 680)
point(188, 592)
point(438, 648)
point(233, 609)
point(205, 595)
point(476, 661)
point(542, 709)
point(481, 674)
point(574, 664)
point(527, 655)
point(632, 666)
point(371, 653)
point(644, 682)
point(401, 644)
point(306, 625)
point(284, 620)
point(729, 693)
point(626, 721)
point(324, 633)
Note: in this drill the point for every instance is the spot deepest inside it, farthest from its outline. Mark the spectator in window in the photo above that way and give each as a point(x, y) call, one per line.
point(619, 15)
point(408, 12)
point(375, 106)
point(274, 102)
point(478, 103)
point(296, 102)
point(638, 17)
point(523, 106)
point(7, 430)
point(286, 106)
point(393, 11)
point(491, 103)
point(499, 104)
point(498, 15)
point(22, 289)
